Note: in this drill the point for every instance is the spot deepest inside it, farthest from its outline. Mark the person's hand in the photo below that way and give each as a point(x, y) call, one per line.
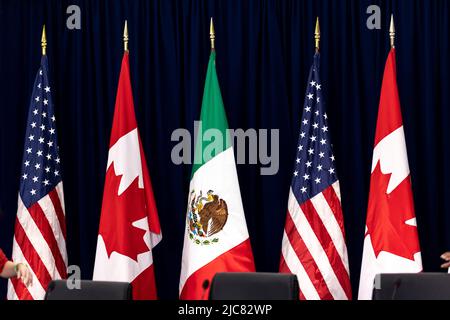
point(446, 257)
point(24, 274)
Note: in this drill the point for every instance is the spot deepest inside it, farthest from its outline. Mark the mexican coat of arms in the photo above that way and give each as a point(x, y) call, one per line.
point(207, 216)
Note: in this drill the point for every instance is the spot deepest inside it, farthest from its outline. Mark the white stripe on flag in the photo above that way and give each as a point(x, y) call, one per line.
point(294, 264)
point(60, 191)
point(47, 207)
point(11, 292)
point(37, 240)
point(337, 189)
point(329, 221)
point(315, 248)
point(36, 290)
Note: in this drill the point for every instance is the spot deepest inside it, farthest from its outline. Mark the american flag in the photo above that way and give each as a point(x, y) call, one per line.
point(314, 239)
point(40, 231)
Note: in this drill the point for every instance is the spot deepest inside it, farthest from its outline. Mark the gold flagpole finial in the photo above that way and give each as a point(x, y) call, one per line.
point(317, 35)
point(392, 32)
point(212, 34)
point(125, 36)
point(44, 42)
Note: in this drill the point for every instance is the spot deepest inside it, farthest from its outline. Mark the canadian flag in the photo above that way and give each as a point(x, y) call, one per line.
point(391, 243)
point(129, 224)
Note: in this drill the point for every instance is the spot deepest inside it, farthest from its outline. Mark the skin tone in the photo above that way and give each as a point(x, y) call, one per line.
point(23, 273)
point(446, 257)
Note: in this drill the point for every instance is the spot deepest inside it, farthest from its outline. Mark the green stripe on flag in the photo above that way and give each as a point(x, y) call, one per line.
point(212, 117)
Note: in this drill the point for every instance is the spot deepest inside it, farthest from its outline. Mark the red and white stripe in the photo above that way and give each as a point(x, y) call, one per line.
point(40, 242)
point(314, 246)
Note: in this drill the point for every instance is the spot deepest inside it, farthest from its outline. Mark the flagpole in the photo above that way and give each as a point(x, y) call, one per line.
point(317, 35)
point(212, 34)
point(125, 36)
point(44, 42)
point(392, 32)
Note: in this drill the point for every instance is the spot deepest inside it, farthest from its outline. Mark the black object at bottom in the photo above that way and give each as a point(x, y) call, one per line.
point(89, 290)
point(254, 286)
point(417, 286)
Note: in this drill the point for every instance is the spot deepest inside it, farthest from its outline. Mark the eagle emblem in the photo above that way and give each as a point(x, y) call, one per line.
point(207, 215)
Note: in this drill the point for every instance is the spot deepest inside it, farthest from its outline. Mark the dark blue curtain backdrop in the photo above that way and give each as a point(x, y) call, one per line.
point(264, 51)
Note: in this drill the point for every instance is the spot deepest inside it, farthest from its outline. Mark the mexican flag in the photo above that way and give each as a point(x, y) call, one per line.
point(216, 237)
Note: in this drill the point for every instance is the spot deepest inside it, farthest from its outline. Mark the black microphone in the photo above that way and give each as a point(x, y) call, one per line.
point(397, 285)
point(205, 287)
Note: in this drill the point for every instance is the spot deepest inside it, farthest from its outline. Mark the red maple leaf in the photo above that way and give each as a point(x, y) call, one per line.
point(387, 214)
point(118, 215)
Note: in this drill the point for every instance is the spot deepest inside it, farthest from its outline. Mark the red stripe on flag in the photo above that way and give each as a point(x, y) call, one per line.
point(22, 292)
point(335, 205)
point(31, 256)
point(284, 268)
point(46, 230)
point(59, 211)
point(306, 259)
point(237, 259)
point(328, 246)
